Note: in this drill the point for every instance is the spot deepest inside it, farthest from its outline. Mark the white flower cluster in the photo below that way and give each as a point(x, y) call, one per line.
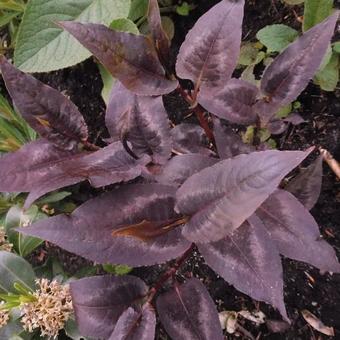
point(50, 310)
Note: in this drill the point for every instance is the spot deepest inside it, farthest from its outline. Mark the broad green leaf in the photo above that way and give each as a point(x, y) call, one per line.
point(315, 12)
point(138, 9)
point(54, 197)
point(336, 47)
point(17, 217)
point(5, 18)
point(183, 9)
point(248, 54)
point(284, 111)
point(14, 268)
point(328, 77)
point(42, 46)
point(124, 25)
point(276, 37)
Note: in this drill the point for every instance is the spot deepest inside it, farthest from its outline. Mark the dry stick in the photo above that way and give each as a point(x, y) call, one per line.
point(199, 111)
point(329, 159)
point(169, 273)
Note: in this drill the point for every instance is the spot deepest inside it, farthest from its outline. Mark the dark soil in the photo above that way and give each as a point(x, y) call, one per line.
point(305, 287)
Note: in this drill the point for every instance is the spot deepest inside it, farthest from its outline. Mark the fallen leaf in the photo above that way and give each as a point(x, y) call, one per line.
point(317, 323)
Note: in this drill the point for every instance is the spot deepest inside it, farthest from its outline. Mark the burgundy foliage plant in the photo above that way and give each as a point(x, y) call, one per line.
point(224, 198)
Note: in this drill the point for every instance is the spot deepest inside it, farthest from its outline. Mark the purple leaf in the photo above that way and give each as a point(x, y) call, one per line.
point(291, 71)
point(294, 119)
point(249, 260)
point(306, 186)
point(229, 143)
point(45, 109)
point(39, 168)
point(179, 168)
point(295, 231)
point(88, 231)
point(137, 324)
point(234, 102)
point(277, 126)
point(220, 198)
point(142, 121)
point(210, 51)
point(187, 312)
point(100, 300)
point(130, 58)
point(160, 38)
point(189, 138)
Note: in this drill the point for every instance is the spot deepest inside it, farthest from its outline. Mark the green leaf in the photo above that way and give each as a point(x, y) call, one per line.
point(315, 12)
point(138, 9)
point(168, 26)
point(276, 37)
point(336, 47)
point(42, 46)
point(12, 5)
point(54, 197)
point(284, 112)
point(5, 18)
point(14, 268)
point(328, 77)
point(17, 217)
point(293, 2)
point(124, 25)
point(248, 54)
point(117, 269)
point(183, 9)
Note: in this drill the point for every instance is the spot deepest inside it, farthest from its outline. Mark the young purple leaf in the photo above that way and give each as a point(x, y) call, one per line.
point(89, 230)
point(220, 198)
point(306, 186)
point(137, 324)
point(210, 51)
point(187, 312)
point(142, 121)
point(160, 38)
point(234, 102)
point(45, 109)
point(249, 260)
point(99, 301)
point(291, 71)
point(179, 168)
point(40, 168)
point(295, 231)
point(228, 143)
point(129, 57)
point(189, 138)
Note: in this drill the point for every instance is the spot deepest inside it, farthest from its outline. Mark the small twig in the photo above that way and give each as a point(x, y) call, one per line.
point(90, 147)
point(329, 159)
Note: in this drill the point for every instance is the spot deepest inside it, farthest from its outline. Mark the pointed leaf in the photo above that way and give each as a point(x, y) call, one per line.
point(315, 11)
point(100, 300)
point(189, 138)
point(88, 231)
point(228, 143)
point(179, 168)
point(135, 325)
point(142, 121)
point(39, 168)
point(220, 198)
point(45, 109)
point(187, 312)
point(295, 231)
point(233, 102)
point(306, 186)
point(130, 58)
point(210, 51)
point(249, 260)
point(160, 38)
point(291, 71)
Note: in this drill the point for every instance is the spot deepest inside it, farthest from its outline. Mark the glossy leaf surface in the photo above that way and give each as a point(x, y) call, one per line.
point(130, 58)
point(160, 38)
point(39, 168)
point(99, 301)
point(291, 71)
point(220, 198)
point(306, 186)
point(135, 324)
point(210, 51)
point(233, 102)
point(45, 109)
point(89, 230)
point(229, 143)
point(249, 260)
point(142, 121)
point(295, 231)
point(187, 312)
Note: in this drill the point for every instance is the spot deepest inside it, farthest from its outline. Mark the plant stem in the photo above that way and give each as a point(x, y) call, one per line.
point(169, 273)
point(90, 147)
point(199, 112)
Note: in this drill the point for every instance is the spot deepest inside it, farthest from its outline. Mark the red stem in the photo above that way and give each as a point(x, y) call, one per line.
point(169, 273)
